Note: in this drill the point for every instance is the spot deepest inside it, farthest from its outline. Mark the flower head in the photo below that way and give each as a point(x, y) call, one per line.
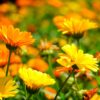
point(35, 79)
point(74, 26)
point(8, 88)
point(13, 37)
point(75, 56)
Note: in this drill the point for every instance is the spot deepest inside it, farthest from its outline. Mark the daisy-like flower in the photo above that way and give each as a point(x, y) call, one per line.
point(13, 37)
point(8, 87)
point(74, 26)
point(35, 79)
point(75, 56)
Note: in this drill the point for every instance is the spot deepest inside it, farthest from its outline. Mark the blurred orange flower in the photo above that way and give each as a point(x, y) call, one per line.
point(50, 93)
point(4, 8)
point(38, 64)
point(96, 5)
point(24, 2)
point(59, 70)
point(5, 21)
point(87, 13)
point(4, 53)
point(2, 73)
point(55, 3)
point(14, 68)
point(13, 37)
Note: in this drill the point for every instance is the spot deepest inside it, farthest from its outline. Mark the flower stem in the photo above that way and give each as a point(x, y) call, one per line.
point(10, 51)
point(50, 65)
point(63, 85)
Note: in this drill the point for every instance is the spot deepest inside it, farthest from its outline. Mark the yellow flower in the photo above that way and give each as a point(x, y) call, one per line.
point(8, 88)
point(95, 97)
point(75, 26)
point(13, 37)
point(75, 56)
point(35, 79)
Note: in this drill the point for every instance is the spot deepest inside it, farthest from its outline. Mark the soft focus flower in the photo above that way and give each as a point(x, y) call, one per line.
point(13, 37)
point(8, 87)
point(75, 56)
point(87, 13)
point(60, 70)
point(55, 3)
point(29, 50)
point(14, 68)
point(74, 26)
point(35, 79)
point(4, 53)
point(4, 20)
point(38, 64)
point(95, 97)
point(88, 94)
point(50, 93)
point(96, 5)
point(2, 73)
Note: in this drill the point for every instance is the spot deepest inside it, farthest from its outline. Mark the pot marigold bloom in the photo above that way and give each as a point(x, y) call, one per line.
point(75, 56)
point(75, 26)
point(50, 93)
point(8, 87)
point(13, 37)
point(41, 66)
point(35, 79)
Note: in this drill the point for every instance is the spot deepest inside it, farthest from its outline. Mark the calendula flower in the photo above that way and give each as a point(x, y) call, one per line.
point(75, 26)
point(50, 93)
point(13, 37)
point(75, 56)
point(8, 87)
point(41, 66)
point(35, 79)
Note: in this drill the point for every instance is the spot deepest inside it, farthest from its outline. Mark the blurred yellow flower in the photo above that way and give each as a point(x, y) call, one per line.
point(35, 79)
point(8, 87)
point(75, 56)
point(13, 37)
point(95, 97)
point(74, 26)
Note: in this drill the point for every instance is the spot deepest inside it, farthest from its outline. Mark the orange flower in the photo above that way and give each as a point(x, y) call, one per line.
point(24, 2)
point(4, 53)
point(88, 13)
point(4, 8)
point(96, 5)
point(55, 3)
point(50, 93)
point(13, 37)
point(38, 64)
point(29, 50)
point(59, 70)
point(2, 73)
point(14, 68)
point(89, 93)
point(58, 20)
point(5, 21)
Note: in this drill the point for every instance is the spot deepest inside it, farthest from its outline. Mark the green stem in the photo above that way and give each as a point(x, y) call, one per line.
point(63, 85)
point(78, 42)
point(10, 51)
point(50, 65)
